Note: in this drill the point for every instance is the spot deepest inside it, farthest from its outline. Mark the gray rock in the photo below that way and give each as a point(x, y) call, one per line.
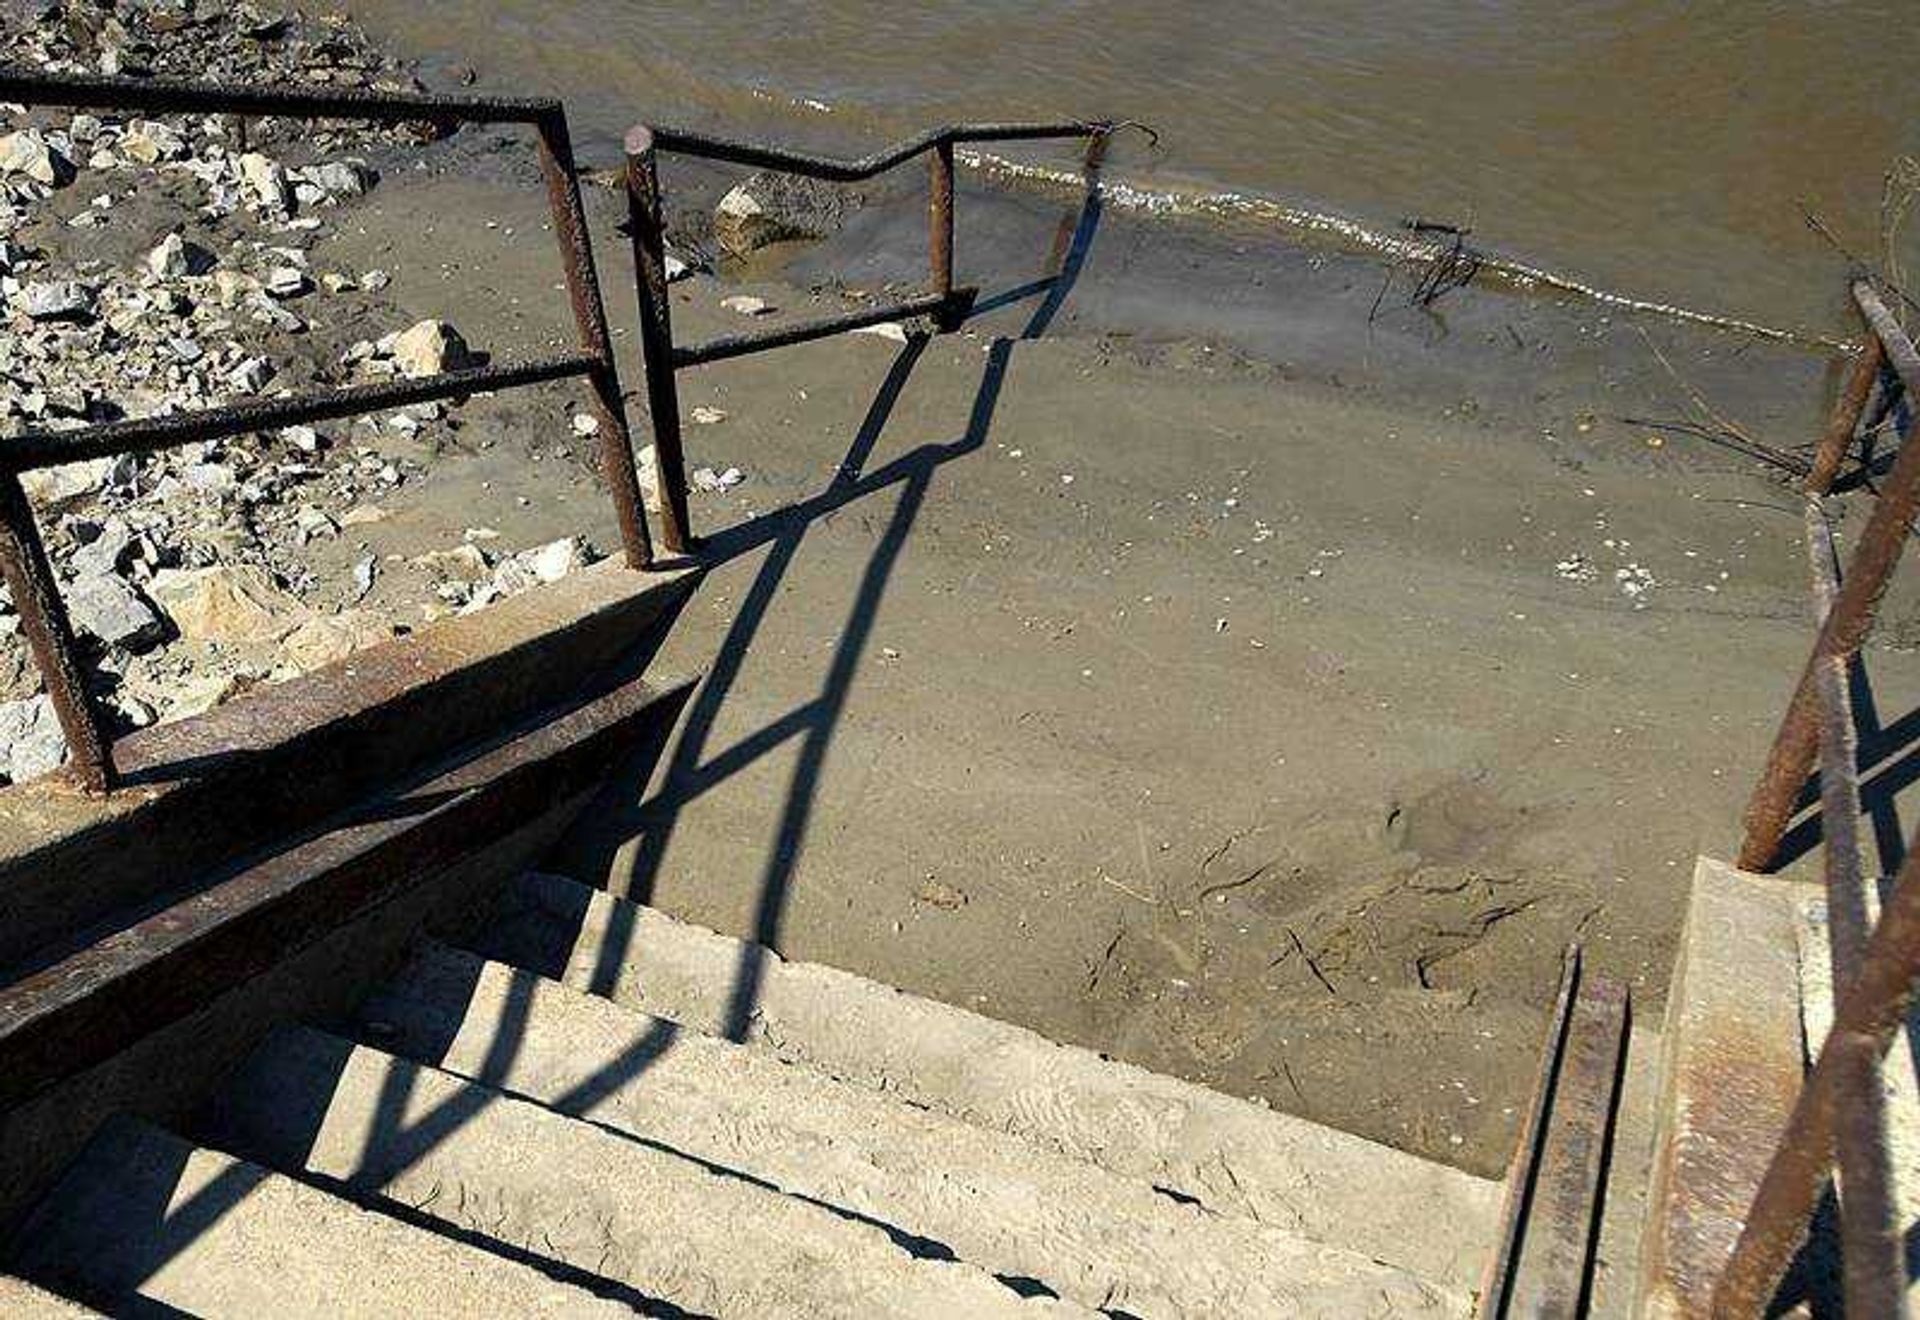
point(104, 553)
point(31, 743)
point(104, 607)
point(338, 179)
point(174, 257)
point(56, 300)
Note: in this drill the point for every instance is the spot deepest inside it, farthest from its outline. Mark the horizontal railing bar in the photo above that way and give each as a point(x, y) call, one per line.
point(39, 449)
point(169, 96)
point(738, 151)
point(732, 346)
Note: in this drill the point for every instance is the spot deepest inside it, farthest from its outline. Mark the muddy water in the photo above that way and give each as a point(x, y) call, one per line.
point(1657, 149)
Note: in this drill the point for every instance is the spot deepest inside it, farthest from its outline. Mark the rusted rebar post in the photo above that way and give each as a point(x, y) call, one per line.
point(583, 290)
point(940, 218)
point(1851, 619)
point(1846, 416)
point(647, 221)
point(36, 596)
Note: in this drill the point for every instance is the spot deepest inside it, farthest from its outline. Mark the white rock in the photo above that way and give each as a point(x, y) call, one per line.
point(265, 182)
point(703, 415)
point(250, 375)
point(429, 348)
point(303, 438)
point(885, 330)
point(286, 282)
point(375, 280)
point(31, 743)
point(585, 425)
point(148, 142)
point(174, 257)
point(56, 300)
point(705, 478)
point(338, 179)
point(28, 153)
point(742, 223)
point(747, 305)
point(54, 487)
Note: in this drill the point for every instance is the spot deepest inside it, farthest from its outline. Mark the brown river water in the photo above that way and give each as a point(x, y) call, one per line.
point(1663, 151)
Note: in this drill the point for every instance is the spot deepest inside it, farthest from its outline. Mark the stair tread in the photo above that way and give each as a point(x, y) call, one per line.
point(1226, 1154)
point(143, 1214)
point(532, 1180)
point(989, 1197)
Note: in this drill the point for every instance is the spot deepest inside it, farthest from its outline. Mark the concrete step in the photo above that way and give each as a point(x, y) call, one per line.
point(504, 1171)
point(990, 1198)
point(144, 1221)
point(1223, 1154)
point(20, 1300)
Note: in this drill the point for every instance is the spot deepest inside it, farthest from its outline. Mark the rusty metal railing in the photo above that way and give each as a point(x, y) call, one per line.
point(23, 558)
point(1840, 1118)
point(942, 302)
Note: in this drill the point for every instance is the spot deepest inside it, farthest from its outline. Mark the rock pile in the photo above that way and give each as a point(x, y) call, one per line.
point(186, 573)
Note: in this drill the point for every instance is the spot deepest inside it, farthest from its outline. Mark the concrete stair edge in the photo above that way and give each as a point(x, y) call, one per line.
point(1226, 1154)
point(531, 1180)
point(989, 1198)
point(145, 1214)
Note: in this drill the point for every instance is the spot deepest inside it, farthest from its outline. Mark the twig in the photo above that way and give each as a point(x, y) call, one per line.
point(1130, 893)
point(1757, 448)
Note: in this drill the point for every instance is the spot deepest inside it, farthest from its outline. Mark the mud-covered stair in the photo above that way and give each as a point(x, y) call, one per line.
point(580, 1111)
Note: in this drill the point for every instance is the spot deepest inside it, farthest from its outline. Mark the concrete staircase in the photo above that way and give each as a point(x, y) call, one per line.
point(593, 1108)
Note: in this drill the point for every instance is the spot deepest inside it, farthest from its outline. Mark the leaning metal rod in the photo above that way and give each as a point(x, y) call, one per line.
point(590, 316)
point(646, 221)
point(143, 435)
point(1523, 1169)
point(166, 96)
point(732, 346)
point(840, 169)
point(36, 596)
point(1871, 1252)
point(1771, 806)
point(1846, 416)
point(1867, 1012)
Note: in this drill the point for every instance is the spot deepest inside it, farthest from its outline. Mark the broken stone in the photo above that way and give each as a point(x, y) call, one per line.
point(226, 605)
point(174, 257)
point(265, 182)
point(429, 348)
point(585, 425)
point(31, 743)
point(338, 179)
point(104, 553)
point(56, 300)
point(250, 375)
point(705, 478)
point(104, 607)
point(149, 143)
point(286, 282)
point(28, 153)
point(323, 641)
point(303, 438)
point(462, 563)
point(746, 304)
point(53, 487)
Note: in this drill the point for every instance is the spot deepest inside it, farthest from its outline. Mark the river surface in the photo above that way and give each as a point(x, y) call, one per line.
point(1661, 150)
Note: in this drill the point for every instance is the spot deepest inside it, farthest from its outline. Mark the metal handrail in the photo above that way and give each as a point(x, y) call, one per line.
point(1840, 1115)
point(23, 558)
point(942, 303)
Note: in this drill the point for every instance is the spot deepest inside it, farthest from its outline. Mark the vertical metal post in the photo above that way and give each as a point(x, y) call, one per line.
point(1851, 619)
point(583, 290)
point(29, 577)
point(647, 222)
point(940, 218)
point(1846, 416)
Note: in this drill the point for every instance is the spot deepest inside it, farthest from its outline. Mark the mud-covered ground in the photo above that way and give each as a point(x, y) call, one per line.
point(1205, 655)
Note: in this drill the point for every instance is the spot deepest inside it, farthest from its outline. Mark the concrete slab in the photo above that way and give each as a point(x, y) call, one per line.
point(22, 1301)
point(1730, 1073)
point(995, 1200)
point(146, 1220)
point(1227, 1155)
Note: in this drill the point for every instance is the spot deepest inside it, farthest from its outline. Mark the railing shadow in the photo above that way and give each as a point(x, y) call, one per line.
point(397, 1140)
